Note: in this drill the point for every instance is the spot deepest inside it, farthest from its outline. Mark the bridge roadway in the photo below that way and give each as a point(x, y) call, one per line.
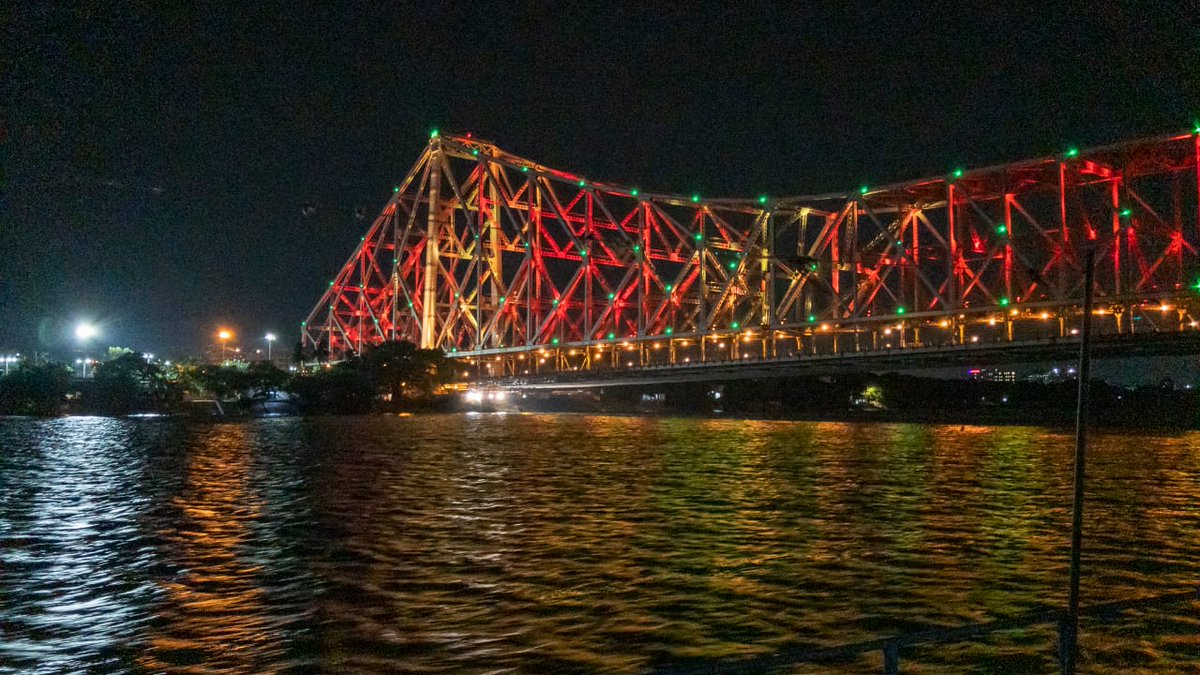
point(968, 355)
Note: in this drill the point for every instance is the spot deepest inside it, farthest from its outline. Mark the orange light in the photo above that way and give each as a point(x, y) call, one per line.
point(224, 334)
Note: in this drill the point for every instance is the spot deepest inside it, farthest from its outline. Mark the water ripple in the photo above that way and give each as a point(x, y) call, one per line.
point(567, 543)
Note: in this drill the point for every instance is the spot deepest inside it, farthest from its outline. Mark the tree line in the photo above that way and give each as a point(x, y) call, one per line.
point(392, 375)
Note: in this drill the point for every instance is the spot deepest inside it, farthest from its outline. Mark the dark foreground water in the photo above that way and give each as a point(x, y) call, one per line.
point(570, 543)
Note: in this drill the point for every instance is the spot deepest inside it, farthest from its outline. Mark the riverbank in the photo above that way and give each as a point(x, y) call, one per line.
point(889, 398)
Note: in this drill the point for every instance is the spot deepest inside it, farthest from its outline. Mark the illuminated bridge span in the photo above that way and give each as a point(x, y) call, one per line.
point(524, 270)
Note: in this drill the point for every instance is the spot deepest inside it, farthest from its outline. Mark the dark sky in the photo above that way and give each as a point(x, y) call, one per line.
point(156, 161)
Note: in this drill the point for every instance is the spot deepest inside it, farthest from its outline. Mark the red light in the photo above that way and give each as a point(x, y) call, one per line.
point(468, 134)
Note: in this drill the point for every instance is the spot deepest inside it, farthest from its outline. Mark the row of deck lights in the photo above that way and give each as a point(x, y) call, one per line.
point(825, 327)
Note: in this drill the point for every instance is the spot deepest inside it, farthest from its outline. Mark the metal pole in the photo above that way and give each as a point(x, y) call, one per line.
point(1081, 424)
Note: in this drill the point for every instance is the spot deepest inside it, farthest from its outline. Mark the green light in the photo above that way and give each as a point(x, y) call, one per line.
point(812, 318)
point(611, 296)
point(433, 133)
point(555, 302)
point(1071, 152)
point(900, 310)
point(695, 198)
point(524, 169)
point(669, 287)
point(395, 188)
point(813, 267)
point(698, 236)
point(1004, 302)
point(862, 190)
point(582, 183)
point(453, 349)
point(732, 265)
point(502, 300)
point(475, 152)
point(735, 325)
point(762, 199)
point(612, 336)
point(331, 283)
point(554, 341)
point(410, 303)
point(633, 192)
point(583, 253)
point(958, 173)
point(670, 330)
point(303, 323)
point(1125, 213)
point(637, 248)
point(1001, 229)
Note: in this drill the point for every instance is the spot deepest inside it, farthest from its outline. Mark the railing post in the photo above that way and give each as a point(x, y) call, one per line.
point(1081, 428)
point(891, 658)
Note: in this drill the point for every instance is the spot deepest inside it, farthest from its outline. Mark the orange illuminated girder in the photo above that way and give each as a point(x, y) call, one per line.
point(481, 251)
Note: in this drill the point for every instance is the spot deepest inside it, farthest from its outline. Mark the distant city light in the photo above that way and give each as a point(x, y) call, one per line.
point(86, 331)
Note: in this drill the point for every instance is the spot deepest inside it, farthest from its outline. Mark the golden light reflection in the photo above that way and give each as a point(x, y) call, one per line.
point(216, 605)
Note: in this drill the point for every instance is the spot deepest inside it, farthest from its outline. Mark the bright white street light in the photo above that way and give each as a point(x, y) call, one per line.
point(85, 332)
point(270, 338)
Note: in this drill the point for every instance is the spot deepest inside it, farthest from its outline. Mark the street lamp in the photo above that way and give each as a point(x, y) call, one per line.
point(223, 335)
point(85, 332)
point(270, 338)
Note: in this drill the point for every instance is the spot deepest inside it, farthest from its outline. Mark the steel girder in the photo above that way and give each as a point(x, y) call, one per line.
point(480, 251)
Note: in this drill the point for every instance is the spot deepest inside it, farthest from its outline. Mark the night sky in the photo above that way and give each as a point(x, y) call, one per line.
point(156, 162)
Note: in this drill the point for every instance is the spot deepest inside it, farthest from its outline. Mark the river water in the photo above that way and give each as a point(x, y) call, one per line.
point(570, 543)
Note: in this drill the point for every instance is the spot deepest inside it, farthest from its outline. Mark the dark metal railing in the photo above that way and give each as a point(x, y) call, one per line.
point(891, 646)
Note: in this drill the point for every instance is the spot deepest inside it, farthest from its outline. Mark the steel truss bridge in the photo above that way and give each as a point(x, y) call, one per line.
point(524, 271)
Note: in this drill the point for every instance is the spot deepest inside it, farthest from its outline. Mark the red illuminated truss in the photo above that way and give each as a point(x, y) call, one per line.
point(482, 252)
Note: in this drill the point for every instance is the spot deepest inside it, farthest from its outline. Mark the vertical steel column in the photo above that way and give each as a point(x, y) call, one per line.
point(1008, 197)
point(395, 230)
point(432, 259)
point(1116, 230)
point(495, 257)
point(702, 285)
point(765, 282)
point(952, 266)
point(643, 263)
point(1064, 234)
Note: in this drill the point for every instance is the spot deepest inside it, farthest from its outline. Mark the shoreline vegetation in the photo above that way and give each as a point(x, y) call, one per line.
point(398, 377)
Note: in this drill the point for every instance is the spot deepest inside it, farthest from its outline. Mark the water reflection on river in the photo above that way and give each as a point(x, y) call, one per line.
point(539, 543)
